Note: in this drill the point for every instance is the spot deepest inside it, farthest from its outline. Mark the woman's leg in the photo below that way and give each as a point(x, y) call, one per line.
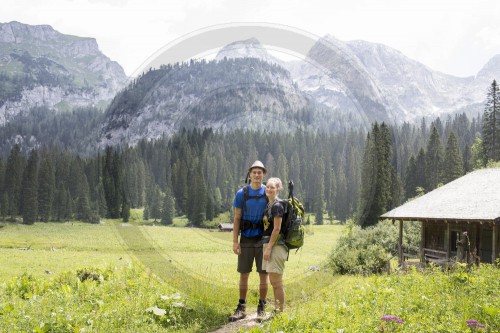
point(276, 280)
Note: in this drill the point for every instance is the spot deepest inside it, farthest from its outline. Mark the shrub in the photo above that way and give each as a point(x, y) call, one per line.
point(364, 251)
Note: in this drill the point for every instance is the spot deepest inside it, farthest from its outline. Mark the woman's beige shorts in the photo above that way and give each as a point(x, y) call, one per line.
point(276, 264)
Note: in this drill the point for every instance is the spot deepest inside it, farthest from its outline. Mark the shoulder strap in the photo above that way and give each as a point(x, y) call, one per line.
point(290, 194)
point(246, 197)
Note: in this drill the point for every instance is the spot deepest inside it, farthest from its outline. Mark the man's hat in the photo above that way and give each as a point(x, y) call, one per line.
point(257, 164)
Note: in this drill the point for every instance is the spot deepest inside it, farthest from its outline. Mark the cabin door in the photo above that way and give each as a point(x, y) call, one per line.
point(485, 244)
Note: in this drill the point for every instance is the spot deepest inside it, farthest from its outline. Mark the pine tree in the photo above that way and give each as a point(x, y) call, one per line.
point(397, 191)
point(156, 204)
point(479, 157)
point(168, 211)
point(145, 213)
point(385, 171)
point(342, 202)
point(377, 176)
point(46, 188)
point(197, 196)
point(434, 161)
point(368, 180)
point(282, 168)
point(125, 213)
point(410, 183)
point(420, 170)
point(491, 123)
point(3, 197)
point(330, 189)
point(62, 208)
point(29, 196)
point(13, 180)
point(63, 203)
point(468, 161)
point(453, 163)
point(80, 193)
point(319, 188)
point(113, 182)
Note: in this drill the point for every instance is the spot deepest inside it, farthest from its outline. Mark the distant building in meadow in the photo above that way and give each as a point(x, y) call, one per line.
point(226, 227)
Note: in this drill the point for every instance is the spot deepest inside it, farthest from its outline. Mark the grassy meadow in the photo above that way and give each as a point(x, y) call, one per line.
point(44, 260)
point(115, 277)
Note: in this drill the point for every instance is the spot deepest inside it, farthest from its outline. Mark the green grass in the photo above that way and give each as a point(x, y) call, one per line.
point(147, 278)
point(197, 263)
point(428, 301)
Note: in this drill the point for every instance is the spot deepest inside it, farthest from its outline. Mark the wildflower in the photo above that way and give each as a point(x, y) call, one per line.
point(474, 323)
point(395, 319)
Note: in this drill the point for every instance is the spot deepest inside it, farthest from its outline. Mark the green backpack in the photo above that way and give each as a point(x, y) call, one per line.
point(292, 228)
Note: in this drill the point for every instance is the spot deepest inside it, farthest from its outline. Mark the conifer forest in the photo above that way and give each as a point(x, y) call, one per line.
point(353, 174)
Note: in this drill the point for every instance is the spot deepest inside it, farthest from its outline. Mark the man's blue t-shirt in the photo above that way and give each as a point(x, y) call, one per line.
point(254, 208)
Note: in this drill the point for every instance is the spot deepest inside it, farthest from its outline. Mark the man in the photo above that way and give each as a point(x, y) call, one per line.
point(249, 205)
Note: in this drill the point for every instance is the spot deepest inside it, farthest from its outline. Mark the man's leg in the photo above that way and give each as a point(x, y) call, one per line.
point(263, 287)
point(244, 285)
point(241, 309)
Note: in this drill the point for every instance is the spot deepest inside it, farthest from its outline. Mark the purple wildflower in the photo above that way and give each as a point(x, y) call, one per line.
point(392, 318)
point(474, 323)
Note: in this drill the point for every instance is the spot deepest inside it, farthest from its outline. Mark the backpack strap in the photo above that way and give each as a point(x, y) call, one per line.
point(289, 209)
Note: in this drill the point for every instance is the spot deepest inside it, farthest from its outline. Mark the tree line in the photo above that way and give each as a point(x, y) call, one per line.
point(196, 173)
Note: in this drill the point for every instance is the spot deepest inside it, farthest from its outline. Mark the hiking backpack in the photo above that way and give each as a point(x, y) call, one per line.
point(292, 228)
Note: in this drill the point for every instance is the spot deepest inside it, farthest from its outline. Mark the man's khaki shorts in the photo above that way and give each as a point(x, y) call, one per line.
point(276, 264)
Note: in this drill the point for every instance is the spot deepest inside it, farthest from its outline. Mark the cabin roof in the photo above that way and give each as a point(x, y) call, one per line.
point(474, 197)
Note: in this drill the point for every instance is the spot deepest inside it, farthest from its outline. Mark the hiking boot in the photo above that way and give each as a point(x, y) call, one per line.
point(267, 316)
point(261, 311)
point(239, 313)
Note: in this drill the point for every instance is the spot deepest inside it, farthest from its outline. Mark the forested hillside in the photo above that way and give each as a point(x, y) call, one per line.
point(196, 173)
point(222, 95)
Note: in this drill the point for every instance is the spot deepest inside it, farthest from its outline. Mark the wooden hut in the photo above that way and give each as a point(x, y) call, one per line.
point(226, 227)
point(468, 204)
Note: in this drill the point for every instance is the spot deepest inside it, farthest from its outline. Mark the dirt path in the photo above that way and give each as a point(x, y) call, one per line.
point(248, 322)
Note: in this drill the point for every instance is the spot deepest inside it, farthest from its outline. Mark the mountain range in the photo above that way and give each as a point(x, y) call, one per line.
point(40, 66)
point(377, 81)
point(338, 85)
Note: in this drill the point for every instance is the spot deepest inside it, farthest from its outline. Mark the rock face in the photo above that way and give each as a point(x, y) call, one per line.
point(374, 82)
point(222, 95)
point(42, 67)
point(340, 85)
point(382, 84)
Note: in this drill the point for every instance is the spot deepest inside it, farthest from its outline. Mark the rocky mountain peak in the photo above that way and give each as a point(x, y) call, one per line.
point(249, 48)
point(491, 70)
point(64, 70)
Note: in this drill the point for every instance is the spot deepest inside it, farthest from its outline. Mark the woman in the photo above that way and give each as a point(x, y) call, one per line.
point(275, 251)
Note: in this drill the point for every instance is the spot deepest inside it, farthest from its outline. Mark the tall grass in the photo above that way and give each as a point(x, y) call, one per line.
point(131, 278)
point(195, 265)
point(424, 301)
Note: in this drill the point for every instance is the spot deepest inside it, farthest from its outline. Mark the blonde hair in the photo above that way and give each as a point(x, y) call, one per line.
point(277, 182)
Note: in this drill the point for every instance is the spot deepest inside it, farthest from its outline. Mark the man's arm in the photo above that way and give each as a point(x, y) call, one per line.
point(236, 230)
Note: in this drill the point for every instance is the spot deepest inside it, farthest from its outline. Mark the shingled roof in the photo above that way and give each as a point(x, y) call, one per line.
point(474, 197)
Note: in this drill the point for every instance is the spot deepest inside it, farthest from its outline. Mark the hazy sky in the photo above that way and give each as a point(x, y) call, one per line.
point(456, 37)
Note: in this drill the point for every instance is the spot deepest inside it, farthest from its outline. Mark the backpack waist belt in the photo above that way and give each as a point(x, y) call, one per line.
point(245, 225)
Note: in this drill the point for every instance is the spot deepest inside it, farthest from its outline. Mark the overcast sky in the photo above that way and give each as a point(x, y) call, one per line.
point(456, 37)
